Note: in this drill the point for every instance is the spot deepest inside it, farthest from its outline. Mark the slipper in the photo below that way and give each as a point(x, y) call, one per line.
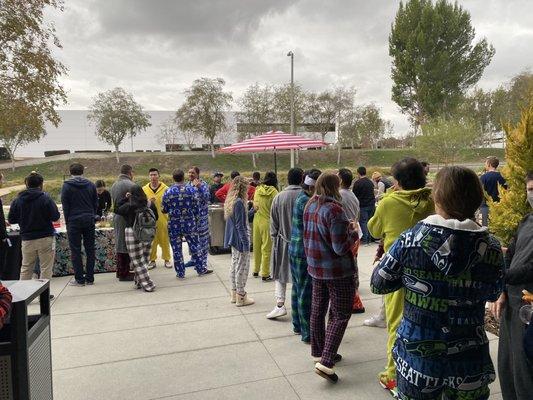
point(336, 359)
point(326, 373)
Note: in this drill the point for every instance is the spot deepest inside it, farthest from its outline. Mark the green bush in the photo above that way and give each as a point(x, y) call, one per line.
point(507, 214)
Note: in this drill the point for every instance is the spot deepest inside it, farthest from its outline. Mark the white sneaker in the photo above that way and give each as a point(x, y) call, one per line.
point(168, 264)
point(277, 312)
point(375, 321)
point(151, 265)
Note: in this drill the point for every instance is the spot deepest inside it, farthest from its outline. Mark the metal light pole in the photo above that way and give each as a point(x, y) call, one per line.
point(291, 55)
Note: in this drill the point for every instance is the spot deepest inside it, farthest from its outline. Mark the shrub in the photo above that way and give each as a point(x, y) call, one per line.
point(51, 153)
point(507, 214)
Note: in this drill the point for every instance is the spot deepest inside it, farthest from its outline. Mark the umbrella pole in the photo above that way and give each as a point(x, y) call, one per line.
point(275, 162)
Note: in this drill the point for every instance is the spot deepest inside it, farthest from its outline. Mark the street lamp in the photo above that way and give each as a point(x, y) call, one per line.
point(291, 55)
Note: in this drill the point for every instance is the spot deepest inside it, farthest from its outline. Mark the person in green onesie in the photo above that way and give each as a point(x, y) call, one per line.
point(262, 242)
point(397, 212)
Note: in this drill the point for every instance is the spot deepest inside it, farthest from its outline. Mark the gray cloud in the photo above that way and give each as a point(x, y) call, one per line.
point(191, 21)
point(155, 49)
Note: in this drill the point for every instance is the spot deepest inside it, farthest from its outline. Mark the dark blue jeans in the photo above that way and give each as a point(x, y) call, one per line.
point(78, 230)
point(364, 216)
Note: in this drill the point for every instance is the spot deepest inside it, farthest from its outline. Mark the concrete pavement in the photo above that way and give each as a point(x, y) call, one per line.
point(186, 341)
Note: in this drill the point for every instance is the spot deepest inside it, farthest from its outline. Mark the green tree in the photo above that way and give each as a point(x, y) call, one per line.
point(434, 60)
point(204, 108)
point(509, 100)
point(19, 125)
point(117, 115)
point(507, 214)
point(442, 139)
point(478, 105)
point(29, 74)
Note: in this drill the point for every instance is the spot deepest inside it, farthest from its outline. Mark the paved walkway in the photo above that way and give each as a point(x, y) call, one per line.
point(186, 341)
point(9, 189)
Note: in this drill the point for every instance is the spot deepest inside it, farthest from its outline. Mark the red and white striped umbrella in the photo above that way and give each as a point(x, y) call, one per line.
point(277, 140)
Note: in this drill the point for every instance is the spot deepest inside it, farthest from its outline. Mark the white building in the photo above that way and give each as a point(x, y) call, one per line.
point(76, 133)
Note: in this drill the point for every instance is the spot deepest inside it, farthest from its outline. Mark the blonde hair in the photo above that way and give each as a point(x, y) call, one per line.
point(238, 190)
point(376, 175)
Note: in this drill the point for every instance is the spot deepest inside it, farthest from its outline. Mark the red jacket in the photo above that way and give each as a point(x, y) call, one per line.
point(5, 304)
point(222, 193)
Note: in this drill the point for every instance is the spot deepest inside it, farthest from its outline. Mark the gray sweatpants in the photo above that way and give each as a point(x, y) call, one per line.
point(238, 272)
point(514, 369)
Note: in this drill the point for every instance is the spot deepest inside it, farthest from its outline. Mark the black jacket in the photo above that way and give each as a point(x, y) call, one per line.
point(34, 211)
point(79, 199)
point(363, 189)
point(104, 203)
point(519, 262)
point(128, 210)
point(3, 231)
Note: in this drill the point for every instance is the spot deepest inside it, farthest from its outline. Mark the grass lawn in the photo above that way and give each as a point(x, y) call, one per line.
point(56, 171)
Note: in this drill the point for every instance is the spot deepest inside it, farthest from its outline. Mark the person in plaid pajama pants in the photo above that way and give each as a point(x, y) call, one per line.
point(5, 304)
point(138, 251)
point(140, 258)
point(301, 280)
point(328, 240)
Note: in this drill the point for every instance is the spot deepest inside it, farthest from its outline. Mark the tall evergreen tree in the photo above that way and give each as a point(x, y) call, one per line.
point(434, 60)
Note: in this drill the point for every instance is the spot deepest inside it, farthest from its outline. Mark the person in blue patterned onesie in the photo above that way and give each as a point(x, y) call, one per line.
point(450, 267)
point(180, 203)
point(203, 196)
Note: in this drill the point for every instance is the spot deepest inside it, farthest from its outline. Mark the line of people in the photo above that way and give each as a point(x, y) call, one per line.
point(437, 271)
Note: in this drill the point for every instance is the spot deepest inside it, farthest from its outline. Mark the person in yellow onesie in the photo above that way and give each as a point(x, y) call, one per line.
point(262, 242)
point(155, 191)
point(398, 211)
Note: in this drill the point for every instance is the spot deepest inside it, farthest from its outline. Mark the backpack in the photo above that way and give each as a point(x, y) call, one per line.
point(144, 225)
point(386, 182)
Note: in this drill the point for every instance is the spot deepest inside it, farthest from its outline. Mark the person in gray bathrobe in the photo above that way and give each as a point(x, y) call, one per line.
point(514, 368)
point(280, 231)
point(123, 185)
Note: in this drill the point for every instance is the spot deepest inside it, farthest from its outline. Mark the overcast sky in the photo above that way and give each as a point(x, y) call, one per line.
point(156, 48)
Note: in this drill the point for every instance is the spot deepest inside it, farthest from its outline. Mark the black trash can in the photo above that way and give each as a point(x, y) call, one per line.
point(25, 346)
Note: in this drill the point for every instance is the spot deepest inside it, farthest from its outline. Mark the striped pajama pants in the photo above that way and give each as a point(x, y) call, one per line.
point(301, 294)
point(139, 253)
point(338, 294)
point(238, 271)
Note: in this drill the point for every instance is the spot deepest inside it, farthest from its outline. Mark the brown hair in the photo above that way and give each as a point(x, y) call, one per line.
point(458, 192)
point(328, 184)
point(493, 161)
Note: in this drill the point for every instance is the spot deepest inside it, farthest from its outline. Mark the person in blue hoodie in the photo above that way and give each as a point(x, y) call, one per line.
point(80, 204)
point(34, 211)
point(450, 267)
